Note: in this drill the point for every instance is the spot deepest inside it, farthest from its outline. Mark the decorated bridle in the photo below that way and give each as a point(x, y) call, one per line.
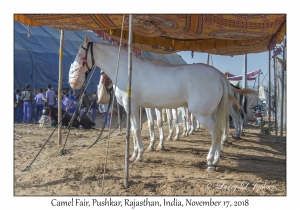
point(90, 44)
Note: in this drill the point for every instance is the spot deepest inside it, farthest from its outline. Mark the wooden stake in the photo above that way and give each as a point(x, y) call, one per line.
point(60, 86)
point(129, 103)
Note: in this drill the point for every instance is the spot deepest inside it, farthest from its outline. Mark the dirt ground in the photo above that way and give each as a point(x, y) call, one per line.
point(253, 165)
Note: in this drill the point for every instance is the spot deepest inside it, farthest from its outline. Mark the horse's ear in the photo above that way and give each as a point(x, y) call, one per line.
point(87, 39)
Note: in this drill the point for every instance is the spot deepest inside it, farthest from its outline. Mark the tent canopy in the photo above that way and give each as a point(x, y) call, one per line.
point(223, 34)
point(36, 58)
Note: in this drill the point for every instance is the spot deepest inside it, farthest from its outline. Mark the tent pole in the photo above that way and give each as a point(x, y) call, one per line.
point(244, 81)
point(141, 117)
point(60, 85)
point(282, 87)
point(119, 117)
point(128, 102)
point(258, 80)
point(208, 54)
point(269, 104)
point(275, 95)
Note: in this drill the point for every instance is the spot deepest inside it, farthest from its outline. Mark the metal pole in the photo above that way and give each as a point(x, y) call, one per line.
point(282, 87)
point(269, 107)
point(119, 117)
point(275, 96)
point(141, 117)
point(258, 77)
point(128, 102)
point(60, 85)
point(244, 82)
point(208, 58)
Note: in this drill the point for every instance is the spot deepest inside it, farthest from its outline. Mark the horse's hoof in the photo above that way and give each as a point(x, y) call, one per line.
point(159, 148)
point(168, 138)
point(149, 149)
point(236, 138)
point(139, 159)
point(132, 159)
point(211, 169)
point(176, 139)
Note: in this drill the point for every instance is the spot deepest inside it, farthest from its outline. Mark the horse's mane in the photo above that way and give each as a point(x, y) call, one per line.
point(153, 60)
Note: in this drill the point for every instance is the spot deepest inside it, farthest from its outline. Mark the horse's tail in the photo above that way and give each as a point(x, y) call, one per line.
point(234, 101)
point(244, 91)
point(222, 114)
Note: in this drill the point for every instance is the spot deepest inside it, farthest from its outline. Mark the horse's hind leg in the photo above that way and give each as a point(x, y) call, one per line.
point(236, 120)
point(242, 116)
point(149, 114)
point(175, 117)
point(169, 116)
point(213, 156)
point(160, 128)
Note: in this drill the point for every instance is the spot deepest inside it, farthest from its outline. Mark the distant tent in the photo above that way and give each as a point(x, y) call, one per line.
point(36, 58)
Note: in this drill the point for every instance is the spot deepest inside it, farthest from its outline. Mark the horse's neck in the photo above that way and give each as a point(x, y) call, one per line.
point(105, 57)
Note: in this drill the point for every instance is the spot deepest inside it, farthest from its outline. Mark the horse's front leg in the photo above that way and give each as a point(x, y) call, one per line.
point(175, 117)
point(160, 128)
point(192, 124)
point(184, 121)
point(169, 116)
point(136, 133)
point(151, 129)
point(197, 125)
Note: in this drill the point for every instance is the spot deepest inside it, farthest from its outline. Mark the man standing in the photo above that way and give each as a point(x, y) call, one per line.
point(103, 108)
point(85, 100)
point(26, 97)
point(19, 106)
point(39, 101)
point(93, 105)
point(50, 96)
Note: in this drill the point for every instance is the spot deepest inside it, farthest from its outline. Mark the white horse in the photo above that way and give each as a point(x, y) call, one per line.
point(188, 122)
point(159, 122)
point(199, 87)
point(172, 122)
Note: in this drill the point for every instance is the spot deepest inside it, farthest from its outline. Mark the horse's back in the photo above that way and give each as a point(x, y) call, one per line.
point(161, 84)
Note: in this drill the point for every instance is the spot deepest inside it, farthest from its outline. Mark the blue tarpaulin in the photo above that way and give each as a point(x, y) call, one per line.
point(36, 59)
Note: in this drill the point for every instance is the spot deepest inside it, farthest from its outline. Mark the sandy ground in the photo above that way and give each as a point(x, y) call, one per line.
point(253, 165)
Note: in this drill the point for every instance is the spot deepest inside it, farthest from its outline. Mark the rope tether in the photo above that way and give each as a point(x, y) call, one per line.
point(112, 103)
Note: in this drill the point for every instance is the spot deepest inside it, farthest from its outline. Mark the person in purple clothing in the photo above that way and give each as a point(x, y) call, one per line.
point(93, 107)
point(39, 101)
point(67, 102)
point(71, 95)
point(27, 99)
point(50, 96)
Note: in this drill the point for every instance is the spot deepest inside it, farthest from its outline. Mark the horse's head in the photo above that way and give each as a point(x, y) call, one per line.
point(82, 64)
point(81, 57)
